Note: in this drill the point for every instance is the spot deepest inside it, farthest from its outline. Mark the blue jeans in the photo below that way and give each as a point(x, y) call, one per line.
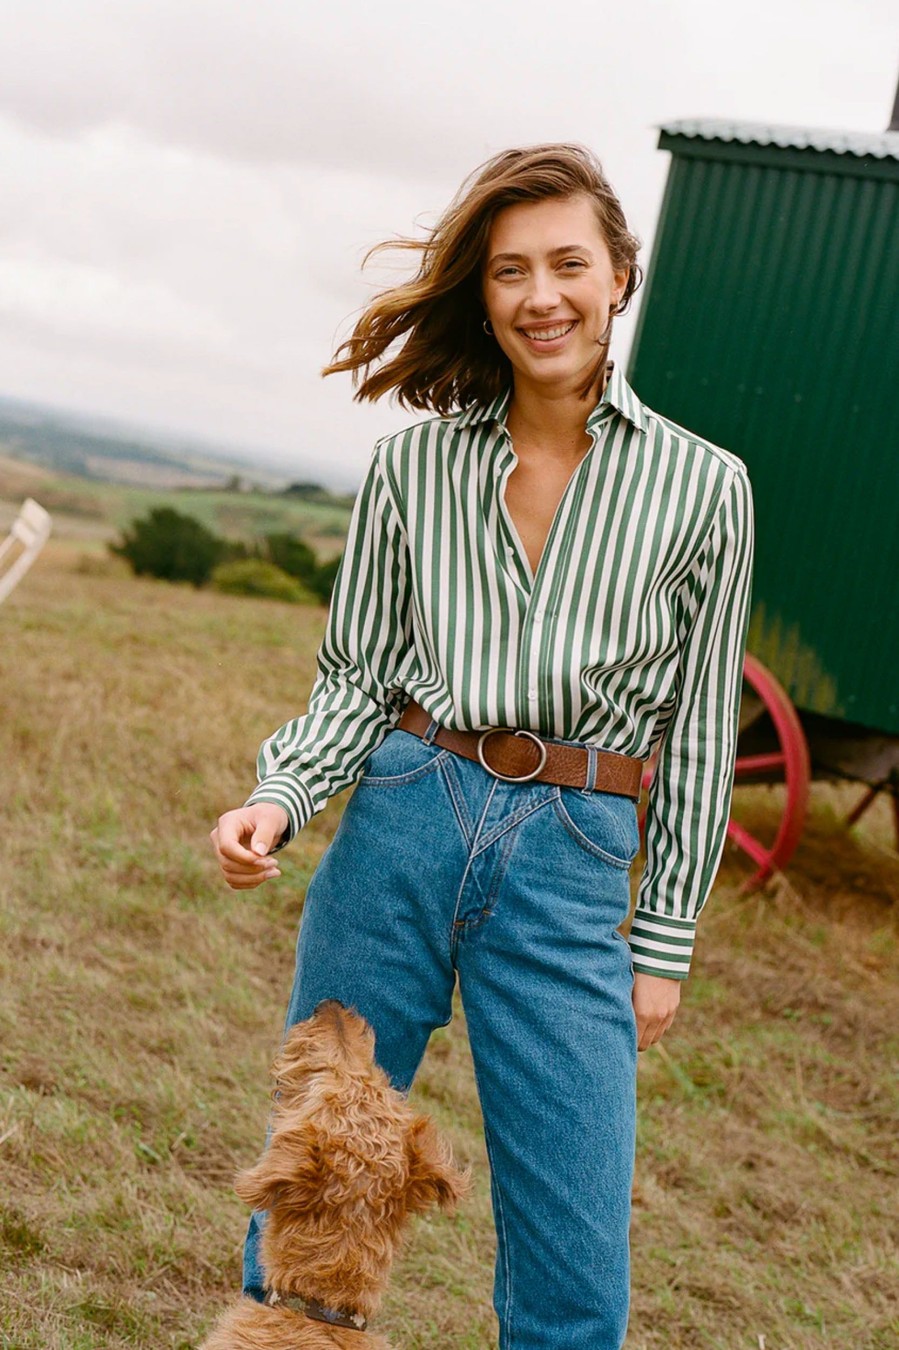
point(437, 869)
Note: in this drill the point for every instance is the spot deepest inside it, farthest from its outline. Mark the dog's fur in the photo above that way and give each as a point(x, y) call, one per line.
point(348, 1161)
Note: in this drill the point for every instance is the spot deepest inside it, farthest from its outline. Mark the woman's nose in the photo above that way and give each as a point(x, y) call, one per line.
point(544, 292)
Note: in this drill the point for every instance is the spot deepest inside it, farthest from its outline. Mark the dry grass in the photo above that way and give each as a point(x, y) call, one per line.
point(140, 1001)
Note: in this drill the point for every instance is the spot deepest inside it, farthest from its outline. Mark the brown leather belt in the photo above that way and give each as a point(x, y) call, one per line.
point(522, 757)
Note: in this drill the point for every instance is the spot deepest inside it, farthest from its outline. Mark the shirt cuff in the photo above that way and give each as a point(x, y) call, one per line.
point(661, 944)
point(285, 790)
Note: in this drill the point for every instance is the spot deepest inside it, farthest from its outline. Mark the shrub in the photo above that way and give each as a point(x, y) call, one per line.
point(292, 556)
point(310, 491)
point(299, 560)
point(254, 576)
point(170, 545)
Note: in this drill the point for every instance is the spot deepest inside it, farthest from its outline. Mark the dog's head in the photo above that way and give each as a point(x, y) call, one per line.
point(347, 1162)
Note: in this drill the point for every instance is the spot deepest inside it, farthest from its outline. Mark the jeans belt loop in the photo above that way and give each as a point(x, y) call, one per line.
point(592, 767)
point(431, 732)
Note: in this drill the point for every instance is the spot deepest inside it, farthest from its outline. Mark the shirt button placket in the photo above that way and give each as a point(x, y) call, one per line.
point(539, 612)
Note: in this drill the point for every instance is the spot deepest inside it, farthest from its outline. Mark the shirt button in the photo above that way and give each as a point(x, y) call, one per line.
point(538, 616)
point(532, 695)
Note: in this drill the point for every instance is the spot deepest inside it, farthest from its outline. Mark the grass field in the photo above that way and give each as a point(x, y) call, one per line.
point(141, 1000)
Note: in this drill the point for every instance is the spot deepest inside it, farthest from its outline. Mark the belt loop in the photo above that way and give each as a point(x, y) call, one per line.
point(592, 767)
point(433, 728)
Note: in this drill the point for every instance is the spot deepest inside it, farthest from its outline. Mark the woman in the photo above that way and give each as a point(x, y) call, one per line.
point(548, 556)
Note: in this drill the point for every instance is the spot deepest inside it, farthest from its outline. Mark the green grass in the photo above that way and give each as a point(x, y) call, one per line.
point(141, 1000)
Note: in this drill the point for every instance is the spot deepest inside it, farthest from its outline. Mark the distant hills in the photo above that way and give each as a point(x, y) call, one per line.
point(100, 449)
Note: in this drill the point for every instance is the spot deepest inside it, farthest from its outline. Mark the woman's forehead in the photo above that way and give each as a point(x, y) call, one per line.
point(550, 225)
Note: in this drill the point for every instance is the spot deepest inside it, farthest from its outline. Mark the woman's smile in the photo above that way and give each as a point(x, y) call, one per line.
point(550, 337)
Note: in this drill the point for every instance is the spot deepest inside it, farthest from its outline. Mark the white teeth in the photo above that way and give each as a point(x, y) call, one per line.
point(549, 334)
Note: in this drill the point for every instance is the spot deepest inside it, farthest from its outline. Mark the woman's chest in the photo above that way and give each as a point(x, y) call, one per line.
point(532, 496)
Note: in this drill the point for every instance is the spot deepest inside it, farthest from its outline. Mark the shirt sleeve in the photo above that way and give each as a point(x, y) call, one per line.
point(689, 798)
point(352, 705)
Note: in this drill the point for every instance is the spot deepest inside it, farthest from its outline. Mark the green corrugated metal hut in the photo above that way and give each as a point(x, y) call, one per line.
point(770, 325)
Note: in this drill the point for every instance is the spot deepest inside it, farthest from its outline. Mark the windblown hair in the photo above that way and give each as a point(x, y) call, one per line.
point(447, 362)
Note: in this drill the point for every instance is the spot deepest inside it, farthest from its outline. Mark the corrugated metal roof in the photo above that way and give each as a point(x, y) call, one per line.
point(882, 144)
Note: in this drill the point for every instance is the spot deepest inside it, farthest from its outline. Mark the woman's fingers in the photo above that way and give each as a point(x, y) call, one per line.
point(656, 999)
point(239, 881)
point(243, 876)
point(241, 840)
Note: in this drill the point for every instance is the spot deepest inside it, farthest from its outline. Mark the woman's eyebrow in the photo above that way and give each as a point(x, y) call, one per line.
point(553, 253)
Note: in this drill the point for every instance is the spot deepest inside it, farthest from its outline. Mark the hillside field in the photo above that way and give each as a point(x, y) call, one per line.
point(141, 1001)
point(93, 512)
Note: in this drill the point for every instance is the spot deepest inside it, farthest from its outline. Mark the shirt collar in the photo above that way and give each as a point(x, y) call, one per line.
point(490, 412)
point(618, 395)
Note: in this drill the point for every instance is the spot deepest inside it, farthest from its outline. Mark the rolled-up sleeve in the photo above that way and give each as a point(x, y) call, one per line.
point(352, 704)
point(690, 794)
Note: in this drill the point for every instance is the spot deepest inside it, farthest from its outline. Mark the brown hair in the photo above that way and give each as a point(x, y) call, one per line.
point(447, 361)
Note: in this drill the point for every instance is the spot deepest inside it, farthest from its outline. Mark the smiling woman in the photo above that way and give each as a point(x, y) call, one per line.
point(541, 585)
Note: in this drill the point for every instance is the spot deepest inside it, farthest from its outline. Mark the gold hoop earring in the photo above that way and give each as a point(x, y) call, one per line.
point(488, 328)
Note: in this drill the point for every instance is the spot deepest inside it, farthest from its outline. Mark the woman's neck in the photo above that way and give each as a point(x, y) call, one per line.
point(555, 420)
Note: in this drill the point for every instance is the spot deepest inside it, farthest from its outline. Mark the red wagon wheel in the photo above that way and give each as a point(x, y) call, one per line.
point(771, 749)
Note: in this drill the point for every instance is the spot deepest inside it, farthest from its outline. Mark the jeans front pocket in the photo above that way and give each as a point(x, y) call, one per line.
point(603, 824)
point(402, 757)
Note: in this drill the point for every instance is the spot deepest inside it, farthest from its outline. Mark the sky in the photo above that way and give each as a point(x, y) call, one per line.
point(190, 186)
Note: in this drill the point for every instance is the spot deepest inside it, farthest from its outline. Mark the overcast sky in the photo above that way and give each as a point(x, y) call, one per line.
point(189, 185)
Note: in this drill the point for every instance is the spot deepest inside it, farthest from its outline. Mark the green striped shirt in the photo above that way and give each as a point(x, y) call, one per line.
point(630, 635)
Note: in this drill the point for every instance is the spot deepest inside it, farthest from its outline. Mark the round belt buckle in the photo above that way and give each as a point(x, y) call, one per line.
point(508, 777)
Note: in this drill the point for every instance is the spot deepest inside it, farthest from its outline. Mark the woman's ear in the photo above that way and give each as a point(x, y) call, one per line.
point(621, 280)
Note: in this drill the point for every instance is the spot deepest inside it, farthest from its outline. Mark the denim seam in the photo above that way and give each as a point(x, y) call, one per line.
point(456, 924)
point(501, 1228)
point(499, 870)
point(509, 823)
point(496, 880)
point(457, 797)
point(622, 938)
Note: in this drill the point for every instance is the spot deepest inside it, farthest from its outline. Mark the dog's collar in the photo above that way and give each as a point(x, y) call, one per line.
point(317, 1311)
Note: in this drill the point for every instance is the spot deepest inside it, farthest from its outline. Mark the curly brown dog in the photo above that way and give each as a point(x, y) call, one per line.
point(348, 1161)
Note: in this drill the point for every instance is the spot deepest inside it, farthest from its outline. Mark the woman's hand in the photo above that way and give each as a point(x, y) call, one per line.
point(655, 1001)
point(243, 841)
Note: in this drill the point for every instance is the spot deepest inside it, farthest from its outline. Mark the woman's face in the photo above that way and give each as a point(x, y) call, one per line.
point(547, 285)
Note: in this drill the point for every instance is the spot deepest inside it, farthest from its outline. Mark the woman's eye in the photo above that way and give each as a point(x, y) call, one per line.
point(505, 272)
point(573, 264)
